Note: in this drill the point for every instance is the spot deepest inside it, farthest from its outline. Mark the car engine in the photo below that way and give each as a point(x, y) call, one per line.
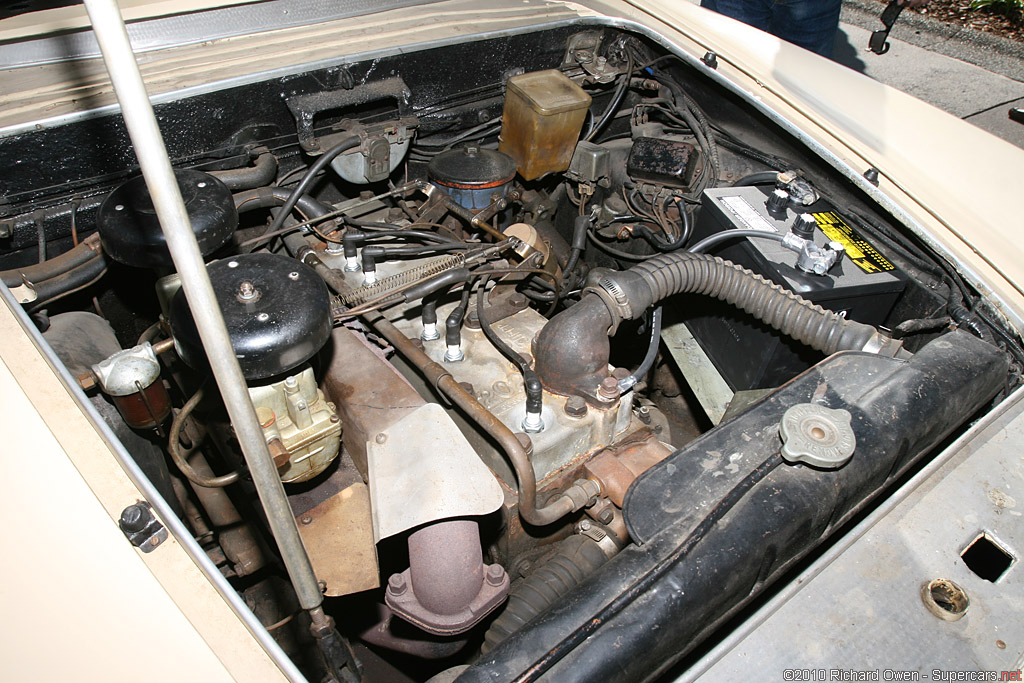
point(563, 354)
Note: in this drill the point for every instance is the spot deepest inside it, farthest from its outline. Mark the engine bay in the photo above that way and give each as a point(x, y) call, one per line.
point(547, 336)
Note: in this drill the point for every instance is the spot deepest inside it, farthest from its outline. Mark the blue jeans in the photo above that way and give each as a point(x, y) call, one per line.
point(811, 24)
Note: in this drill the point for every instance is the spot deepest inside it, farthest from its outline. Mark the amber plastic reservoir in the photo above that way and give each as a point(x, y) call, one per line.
point(544, 112)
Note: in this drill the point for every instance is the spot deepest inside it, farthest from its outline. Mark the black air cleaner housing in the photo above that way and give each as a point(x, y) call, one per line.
point(277, 312)
point(130, 231)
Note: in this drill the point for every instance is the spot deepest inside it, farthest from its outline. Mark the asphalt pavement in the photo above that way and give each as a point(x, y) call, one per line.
point(976, 76)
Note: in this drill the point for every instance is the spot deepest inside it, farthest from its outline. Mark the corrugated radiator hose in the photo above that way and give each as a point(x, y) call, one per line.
point(572, 350)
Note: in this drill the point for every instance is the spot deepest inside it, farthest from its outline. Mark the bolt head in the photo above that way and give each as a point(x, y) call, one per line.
point(397, 585)
point(381, 438)
point(575, 406)
point(606, 516)
point(495, 574)
point(306, 519)
point(609, 389)
point(246, 291)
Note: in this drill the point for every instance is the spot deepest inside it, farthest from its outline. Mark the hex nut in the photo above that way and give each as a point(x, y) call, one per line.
point(575, 406)
point(495, 574)
point(397, 585)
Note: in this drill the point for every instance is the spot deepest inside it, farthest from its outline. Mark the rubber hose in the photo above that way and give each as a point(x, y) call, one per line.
point(780, 309)
point(265, 197)
point(262, 172)
point(310, 174)
point(69, 281)
point(577, 557)
point(36, 273)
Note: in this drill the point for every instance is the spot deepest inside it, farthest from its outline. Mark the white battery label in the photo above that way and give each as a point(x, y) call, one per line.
point(747, 215)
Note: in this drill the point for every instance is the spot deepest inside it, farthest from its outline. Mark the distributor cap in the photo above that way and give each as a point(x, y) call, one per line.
point(130, 230)
point(277, 311)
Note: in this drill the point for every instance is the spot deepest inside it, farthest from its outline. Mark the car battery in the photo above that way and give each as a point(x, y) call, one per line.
point(862, 286)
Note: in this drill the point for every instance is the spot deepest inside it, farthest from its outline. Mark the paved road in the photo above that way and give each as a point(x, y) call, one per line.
point(975, 76)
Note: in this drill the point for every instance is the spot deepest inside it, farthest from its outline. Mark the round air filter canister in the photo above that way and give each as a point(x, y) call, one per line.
point(472, 176)
point(130, 231)
point(277, 311)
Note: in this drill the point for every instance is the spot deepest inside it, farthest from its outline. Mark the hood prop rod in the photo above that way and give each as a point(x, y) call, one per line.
point(170, 209)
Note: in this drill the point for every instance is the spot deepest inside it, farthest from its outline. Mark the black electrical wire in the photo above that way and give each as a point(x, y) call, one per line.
point(768, 160)
point(759, 178)
point(307, 179)
point(531, 382)
point(725, 235)
point(616, 253)
point(647, 581)
point(613, 106)
point(678, 243)
point(652, 352)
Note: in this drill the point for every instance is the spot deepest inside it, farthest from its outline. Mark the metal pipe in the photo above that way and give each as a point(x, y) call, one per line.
point(163, 187)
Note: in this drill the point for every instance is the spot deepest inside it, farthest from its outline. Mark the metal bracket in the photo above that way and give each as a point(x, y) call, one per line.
point(879, 41)
point(306, 107)
point(141, 527)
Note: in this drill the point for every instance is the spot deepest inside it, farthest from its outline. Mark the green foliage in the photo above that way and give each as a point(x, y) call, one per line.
point(1011, 8)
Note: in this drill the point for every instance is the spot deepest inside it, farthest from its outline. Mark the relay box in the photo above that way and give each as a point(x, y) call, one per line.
point(863, 286)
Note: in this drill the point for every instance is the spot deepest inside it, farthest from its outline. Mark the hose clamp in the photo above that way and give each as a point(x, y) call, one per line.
point(883, 345)
point(601, 283)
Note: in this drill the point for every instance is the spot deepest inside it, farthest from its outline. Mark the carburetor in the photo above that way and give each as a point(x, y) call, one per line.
point(277, 311)
point(300, 425)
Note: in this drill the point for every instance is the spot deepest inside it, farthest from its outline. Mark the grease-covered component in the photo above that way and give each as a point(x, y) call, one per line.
point(471, 176)
point(277, 311)
point(130, 231)
point(667, 162)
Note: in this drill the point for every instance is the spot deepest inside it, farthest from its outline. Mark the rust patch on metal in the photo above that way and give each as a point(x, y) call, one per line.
point(338, 534)
point(369, 393)
point(618, 467)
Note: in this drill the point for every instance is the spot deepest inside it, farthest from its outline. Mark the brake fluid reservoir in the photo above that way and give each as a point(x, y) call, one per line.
point(544, 112)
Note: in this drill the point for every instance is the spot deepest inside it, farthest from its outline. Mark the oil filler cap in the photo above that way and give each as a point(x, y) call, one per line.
point(817, 436)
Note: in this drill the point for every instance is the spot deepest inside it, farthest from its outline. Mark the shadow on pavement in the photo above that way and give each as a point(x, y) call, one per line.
point(845, 53)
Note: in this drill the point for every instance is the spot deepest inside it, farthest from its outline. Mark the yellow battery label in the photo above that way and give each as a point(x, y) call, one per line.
point(859, 251)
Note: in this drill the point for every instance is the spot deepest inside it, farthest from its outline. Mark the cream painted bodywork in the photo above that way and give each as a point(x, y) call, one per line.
point(79, 601)
point(70, 572)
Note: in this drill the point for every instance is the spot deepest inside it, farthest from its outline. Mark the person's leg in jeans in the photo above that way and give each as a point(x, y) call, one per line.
point(811, 24)
point(756, 13)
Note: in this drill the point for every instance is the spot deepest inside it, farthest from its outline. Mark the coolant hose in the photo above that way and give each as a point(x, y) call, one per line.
point(58, 265)
point(65, 283)
point(576, 558)
point(262, 172)
point(576, 363)
point(266, 197)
